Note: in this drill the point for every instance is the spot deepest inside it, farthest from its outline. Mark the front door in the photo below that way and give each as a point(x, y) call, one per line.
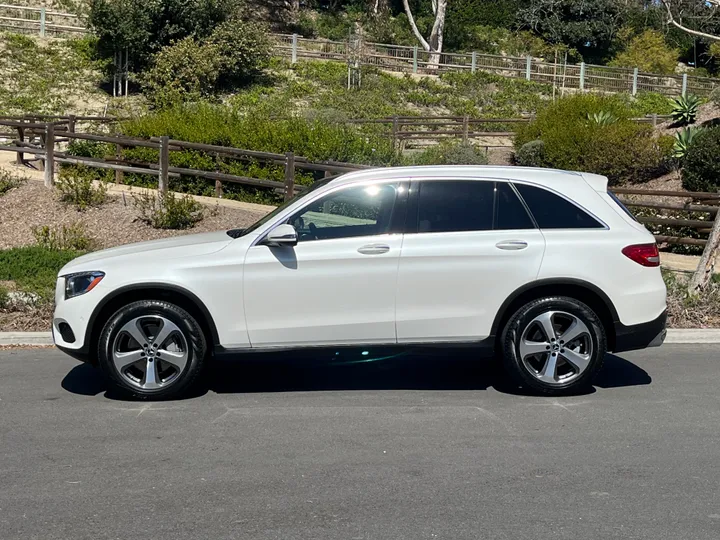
point(337, 285)
point(469, 245)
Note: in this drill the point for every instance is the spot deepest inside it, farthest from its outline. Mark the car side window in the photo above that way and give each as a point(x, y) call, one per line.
point(353, 211)
point(452, 206)
point(553, 212)
point(510, 212)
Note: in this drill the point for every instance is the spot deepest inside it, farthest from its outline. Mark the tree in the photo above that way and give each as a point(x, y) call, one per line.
point(649, 53)
point(675, 12)
point(435, 42)
point(589, 26)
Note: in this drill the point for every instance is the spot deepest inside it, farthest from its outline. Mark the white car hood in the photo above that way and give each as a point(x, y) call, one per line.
point(168, 248)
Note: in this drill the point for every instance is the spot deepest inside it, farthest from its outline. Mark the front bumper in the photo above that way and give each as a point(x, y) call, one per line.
point(640, 336)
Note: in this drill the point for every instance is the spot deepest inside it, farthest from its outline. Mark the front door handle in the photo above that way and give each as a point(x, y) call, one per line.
point(512, 245)
point(374, 249)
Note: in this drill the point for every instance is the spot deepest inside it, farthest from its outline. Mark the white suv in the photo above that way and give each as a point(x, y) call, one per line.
point(544, 267)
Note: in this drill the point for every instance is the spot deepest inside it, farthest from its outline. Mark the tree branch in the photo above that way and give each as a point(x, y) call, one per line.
point(672, 21)
point(414, 27)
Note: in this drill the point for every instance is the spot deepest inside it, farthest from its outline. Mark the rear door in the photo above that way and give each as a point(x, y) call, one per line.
point(468, 245)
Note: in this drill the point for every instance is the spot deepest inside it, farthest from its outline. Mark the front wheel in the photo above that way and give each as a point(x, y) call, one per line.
point(554, 345)
point(152, 349)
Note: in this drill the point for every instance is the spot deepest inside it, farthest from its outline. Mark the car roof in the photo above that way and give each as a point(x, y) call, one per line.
point(553, 178)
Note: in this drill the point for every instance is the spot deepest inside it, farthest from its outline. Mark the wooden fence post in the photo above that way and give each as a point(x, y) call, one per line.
point(415, 59)
point(42, 22)
point(164, 165)
point(706, 267)
point(473, 66)
point(289, 175)
point(49, 155)
point(218, 189)
point(654, 120)
point(20, 160)
point(582, 76)
point(466, 123)
point(293, 54)
point(119, 175)
point(395, 132)
point(71, 123)
point(684, 84)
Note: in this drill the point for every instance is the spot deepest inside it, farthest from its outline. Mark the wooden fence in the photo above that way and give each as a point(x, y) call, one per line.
point(40, 21)
point(577, 77)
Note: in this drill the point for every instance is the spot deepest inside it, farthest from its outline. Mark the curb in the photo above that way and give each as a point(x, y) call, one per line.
point(685, 336)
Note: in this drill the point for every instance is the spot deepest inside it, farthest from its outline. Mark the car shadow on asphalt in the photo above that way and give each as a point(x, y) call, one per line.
point(358, 370)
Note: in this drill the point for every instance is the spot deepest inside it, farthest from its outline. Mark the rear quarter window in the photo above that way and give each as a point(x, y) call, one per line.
point(554, 212)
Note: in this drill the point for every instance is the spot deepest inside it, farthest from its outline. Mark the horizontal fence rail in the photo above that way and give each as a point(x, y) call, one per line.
point(41, 21)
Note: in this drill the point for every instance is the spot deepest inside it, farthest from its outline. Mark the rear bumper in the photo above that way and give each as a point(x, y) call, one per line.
point(640, 336)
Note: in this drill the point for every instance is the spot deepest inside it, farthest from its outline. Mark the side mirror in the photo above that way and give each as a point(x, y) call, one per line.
point(282, 235)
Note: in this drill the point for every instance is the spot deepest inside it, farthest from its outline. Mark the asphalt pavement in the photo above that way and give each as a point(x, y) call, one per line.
point(360, 446)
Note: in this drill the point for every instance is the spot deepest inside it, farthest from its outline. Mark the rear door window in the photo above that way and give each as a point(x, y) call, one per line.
point(554, 212)
point(455, 205)
point(510, 212)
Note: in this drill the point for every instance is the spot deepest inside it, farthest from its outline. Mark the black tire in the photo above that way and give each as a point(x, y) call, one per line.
point(522, 321)
point(192, 339)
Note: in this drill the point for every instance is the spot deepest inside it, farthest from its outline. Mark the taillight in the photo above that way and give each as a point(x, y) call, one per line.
point(644, 254)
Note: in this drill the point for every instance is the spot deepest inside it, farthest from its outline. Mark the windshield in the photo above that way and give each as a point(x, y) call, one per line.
point(262, 221)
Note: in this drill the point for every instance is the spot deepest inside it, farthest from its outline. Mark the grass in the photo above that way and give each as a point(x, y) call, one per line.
point(34, 269)
point(9, 181)
point(686, 311)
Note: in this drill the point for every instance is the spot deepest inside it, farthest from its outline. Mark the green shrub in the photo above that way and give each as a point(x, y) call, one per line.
point(168, 211)
point(531, 154)
point(243, 50)
point(650, 103)
point(451, 154)
point(9, 181)
point(64, 237)
point(683, 140)
point(4, 298)
point(685, 109)
point(649, 53)
point(34, 269)
point(623, 151)
point(77, 187)
point(702, 162)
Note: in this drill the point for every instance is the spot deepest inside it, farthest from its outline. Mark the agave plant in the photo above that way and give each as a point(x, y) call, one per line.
point(685, 109)
point(683, 140)
point(603, 118)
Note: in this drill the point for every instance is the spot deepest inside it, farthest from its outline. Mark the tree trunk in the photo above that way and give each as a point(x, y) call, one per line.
point(706, 267)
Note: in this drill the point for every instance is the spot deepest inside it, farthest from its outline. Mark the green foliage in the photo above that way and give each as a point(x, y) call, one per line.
point(531, 154)
point(144, 27)
point(9, 181)
point(683, 140)
point(649, 53)
point(588, 27)
point(34, 269)
point(623, 151)
point(4, 298)
point(72, 237)
point(44, 77)
point(77, 187)
point(189, 70)
point(651, 103)
point(685, 109)
point(602, 118)
point(448, 153)
point(702, 162)
point(168, 211)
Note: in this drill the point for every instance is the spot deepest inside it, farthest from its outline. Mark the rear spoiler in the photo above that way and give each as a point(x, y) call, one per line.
point(597, 182)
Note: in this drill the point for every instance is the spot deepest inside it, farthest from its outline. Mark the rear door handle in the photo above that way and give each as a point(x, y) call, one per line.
point(374, 249)
point(512, 245)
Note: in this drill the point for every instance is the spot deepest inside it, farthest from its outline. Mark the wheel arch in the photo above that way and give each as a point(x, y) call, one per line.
point(583, 291)
point(179, 296)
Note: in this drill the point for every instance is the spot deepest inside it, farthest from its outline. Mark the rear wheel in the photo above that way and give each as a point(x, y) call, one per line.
point(554, 345)
point(152, 349)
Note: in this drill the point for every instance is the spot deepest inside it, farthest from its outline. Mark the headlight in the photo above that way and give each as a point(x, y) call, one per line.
point(77, 284)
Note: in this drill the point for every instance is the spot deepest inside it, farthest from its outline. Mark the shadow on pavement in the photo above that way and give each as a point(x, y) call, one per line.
point(358, 370)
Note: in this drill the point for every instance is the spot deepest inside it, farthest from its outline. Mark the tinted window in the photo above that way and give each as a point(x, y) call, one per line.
point(354, 211)
point(455, 206)
point(510, 213)
point(553, 212)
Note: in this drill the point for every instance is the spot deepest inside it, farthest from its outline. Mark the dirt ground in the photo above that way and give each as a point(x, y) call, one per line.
point(114, 223)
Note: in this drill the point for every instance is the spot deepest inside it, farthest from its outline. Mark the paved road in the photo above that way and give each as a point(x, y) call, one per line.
point(401, 448)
